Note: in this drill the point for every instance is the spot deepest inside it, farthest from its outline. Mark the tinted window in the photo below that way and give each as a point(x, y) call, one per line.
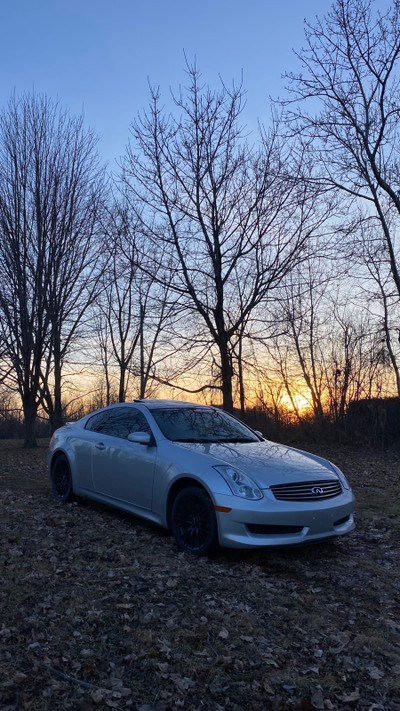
point(201, 425)
point(118, 422)
point(96, 422)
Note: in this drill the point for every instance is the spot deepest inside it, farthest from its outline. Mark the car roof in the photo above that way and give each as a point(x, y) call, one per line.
point(153, 404)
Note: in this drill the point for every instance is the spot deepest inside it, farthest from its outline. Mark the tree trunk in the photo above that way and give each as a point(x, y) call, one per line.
point(226, 377)
point(141, 345)
point(57, 417)
point(241, 381)
point(121, 390)
point(29, 423)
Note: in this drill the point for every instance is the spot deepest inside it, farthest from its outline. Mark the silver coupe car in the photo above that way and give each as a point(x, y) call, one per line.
point(202, 473)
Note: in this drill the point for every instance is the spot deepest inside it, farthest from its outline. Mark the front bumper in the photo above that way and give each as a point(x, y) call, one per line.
point(268, 522)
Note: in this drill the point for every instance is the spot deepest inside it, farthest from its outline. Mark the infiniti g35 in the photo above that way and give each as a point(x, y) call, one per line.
point(202, 473)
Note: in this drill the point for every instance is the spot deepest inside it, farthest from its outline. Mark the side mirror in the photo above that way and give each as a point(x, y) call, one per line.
point(139, 437)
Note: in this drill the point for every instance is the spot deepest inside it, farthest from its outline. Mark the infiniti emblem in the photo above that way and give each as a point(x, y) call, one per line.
point(317, 490)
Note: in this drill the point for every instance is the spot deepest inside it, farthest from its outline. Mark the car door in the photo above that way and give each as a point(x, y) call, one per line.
point(122, 470)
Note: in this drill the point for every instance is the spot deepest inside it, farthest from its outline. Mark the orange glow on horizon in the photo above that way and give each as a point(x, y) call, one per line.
point(298, 402)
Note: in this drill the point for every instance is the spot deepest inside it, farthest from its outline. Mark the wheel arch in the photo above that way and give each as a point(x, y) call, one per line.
point(56, 455)
point(62, 452)
point(177, 486)
point(58, 477)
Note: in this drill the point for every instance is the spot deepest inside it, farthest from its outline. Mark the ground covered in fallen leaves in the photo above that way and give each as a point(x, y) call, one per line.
point(99, 610)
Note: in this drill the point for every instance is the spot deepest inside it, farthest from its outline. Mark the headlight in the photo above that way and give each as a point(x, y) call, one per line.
point(239, 483)
point(341, 476)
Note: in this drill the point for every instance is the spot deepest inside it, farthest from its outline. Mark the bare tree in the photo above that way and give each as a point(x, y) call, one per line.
point(350, 79)
point(50, 190)
point(232, 220)
point(305, 314)
point(379, 293)
point(102, 339)
point(329, 352)
point(120, 315)
point(135, 311)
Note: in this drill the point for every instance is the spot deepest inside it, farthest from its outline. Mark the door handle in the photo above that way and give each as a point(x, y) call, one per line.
point(100, 446)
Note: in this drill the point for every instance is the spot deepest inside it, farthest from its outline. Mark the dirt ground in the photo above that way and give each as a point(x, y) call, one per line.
point(99, 610)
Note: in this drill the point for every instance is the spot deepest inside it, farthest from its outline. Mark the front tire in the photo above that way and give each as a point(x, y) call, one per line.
point(61, 480)
point(193, 521)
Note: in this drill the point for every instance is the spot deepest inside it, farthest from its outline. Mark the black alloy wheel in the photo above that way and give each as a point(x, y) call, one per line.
point(193, 521)
point(61, 479)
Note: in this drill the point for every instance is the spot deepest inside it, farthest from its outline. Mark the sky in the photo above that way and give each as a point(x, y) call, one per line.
point(98, 57)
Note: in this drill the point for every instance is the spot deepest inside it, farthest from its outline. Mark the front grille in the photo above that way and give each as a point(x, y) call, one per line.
point(307, 490)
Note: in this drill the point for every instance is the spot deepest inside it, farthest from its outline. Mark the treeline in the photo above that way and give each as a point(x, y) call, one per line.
point(260, 274)
point(373, 423)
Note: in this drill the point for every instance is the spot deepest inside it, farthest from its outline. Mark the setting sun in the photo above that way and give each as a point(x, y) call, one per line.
point(296, 403)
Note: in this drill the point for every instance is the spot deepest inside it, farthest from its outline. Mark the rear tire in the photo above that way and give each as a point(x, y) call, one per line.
point(61, 480)
point(193, 521)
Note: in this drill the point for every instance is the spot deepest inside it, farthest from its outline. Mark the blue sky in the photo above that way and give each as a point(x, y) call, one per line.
point(99, 56)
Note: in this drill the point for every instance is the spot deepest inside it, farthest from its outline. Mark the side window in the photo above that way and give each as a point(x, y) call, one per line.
point(138, 422)
point(98, 422)
point(119, 422)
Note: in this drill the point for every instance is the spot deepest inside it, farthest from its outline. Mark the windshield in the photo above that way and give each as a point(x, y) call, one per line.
point(201, 425)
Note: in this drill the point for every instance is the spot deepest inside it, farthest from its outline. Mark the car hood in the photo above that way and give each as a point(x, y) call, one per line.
point(266, 462)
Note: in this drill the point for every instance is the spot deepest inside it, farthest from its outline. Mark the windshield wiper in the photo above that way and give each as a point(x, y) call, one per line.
point(215, 441)
point(190, 439)
point(237, 439)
